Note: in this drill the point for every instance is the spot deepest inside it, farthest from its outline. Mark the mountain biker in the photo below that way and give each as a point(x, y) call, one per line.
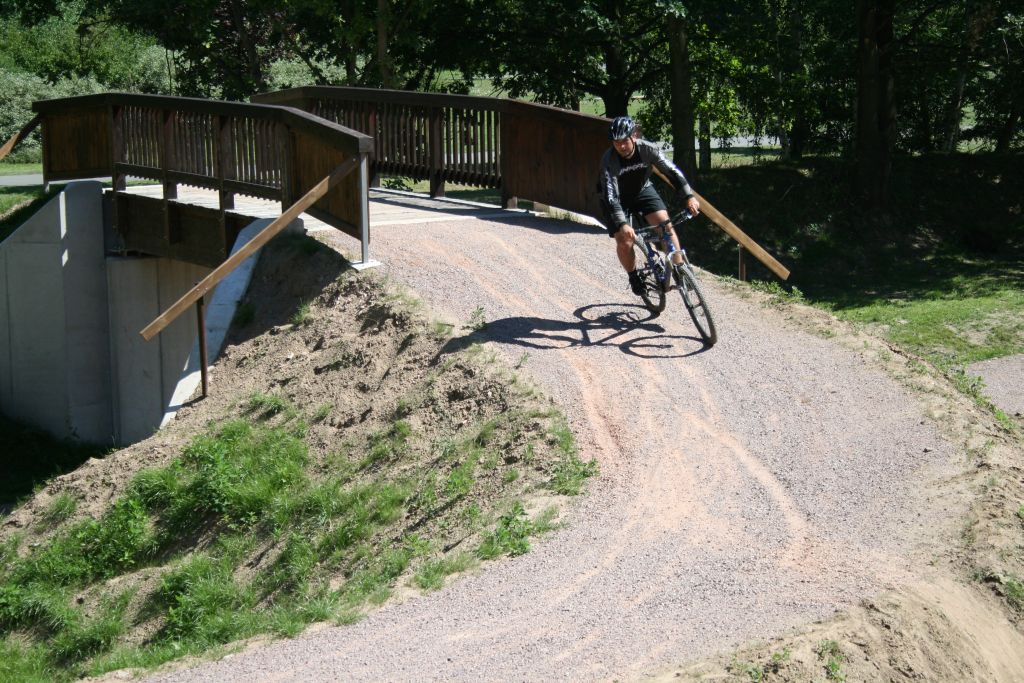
point(626, 188)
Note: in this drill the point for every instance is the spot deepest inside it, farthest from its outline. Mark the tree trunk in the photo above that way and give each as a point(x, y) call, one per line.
point(705, 143)
point(384, 64)
point(1008, 129)
point(683, 151)
point(616, 92)
point(876, 112)
point(252, 59)
point(954, 112)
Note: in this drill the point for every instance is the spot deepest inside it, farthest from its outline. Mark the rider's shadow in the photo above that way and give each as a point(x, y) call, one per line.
point(593, 325)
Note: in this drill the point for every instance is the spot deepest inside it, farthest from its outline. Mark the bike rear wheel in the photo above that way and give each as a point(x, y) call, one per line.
point(695, 302)
point(653, 295)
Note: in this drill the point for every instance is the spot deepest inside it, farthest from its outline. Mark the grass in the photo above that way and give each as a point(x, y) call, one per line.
point(17, 204)
point(939, 276)
point(7, 168)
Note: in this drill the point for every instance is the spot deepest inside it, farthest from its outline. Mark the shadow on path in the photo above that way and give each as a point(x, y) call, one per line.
point(593, 325)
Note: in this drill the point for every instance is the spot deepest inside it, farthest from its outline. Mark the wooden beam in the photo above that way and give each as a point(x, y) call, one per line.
point(731, 229)
point(750, 245)
point(20, 135)
point(210, 281)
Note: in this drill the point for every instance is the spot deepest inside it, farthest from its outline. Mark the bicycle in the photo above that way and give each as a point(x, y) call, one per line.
point(660, 271)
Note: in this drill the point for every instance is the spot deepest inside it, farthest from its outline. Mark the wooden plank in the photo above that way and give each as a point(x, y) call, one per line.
point(731, 229)
point(222, 271)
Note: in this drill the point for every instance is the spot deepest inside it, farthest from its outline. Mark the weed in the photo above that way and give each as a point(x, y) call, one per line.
point(522, 360)
point(510, 476)
point(386, 444)
point(441, 330)
point(1014, 588)
point(322, 412)
point(472, 515)
point(460, 481)
point(1020, 513)
point(781, 657)
point(265, 405)
point(476, 322)
point(60, 509)
point(244, 314)
point(570, 474)
point(792, 294)
point(511, 536)
point(431, 574)
point(830, 652)
point(302, 315)
point(749, 669)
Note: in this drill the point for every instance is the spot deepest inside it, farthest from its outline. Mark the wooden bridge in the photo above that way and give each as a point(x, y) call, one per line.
point(316, 150)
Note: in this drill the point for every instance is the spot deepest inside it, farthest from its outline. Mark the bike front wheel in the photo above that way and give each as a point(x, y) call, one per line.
point(695, 302)
point(654, 293)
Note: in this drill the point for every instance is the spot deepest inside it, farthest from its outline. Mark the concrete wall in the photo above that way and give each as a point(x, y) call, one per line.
point(72, 361)
point(145, 374)
point(54, 359)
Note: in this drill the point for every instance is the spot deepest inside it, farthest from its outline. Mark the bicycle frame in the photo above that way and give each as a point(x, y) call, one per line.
point(648, 237)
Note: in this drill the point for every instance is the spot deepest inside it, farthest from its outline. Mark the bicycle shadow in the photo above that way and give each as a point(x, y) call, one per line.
point(594, 325)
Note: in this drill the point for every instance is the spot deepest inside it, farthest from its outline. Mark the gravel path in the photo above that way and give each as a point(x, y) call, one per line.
point(743, 490)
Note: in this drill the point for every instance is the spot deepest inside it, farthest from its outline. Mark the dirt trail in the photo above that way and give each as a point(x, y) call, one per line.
point(744, 490)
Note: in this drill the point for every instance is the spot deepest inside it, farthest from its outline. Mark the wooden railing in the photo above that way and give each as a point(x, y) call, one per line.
point(530, 151)
point(272, 152)
point(527, 150)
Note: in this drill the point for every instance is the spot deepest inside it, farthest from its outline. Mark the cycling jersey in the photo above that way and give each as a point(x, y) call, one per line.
point(623, 179)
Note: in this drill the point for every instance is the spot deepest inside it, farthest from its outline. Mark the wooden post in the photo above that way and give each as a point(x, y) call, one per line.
point(166, 164)
point(119, 180)
point(203, 362)
point(436, 153)
point(508, 197)
point(742, 264)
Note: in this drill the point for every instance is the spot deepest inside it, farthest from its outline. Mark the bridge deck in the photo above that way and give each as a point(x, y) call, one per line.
point(387, 207)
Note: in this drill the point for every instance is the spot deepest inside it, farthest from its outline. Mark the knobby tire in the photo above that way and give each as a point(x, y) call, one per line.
point(696, 304)
point(654, 295)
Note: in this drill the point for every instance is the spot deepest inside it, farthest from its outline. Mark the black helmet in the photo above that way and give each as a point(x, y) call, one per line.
point(622, 127)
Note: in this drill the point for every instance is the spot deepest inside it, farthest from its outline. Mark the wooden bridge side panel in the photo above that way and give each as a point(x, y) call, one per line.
point(77, 144)
point(313, 162)
point(553, 158)
point(200, 238)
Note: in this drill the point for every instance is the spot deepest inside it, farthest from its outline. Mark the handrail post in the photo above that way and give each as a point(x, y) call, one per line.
point(203, 360)
point(508, 199)
point(742, 263)
point(364, 209)
point(436, 153)
point(119, 180)
point(170, 189)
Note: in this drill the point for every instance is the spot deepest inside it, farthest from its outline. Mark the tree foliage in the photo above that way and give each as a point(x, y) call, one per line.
point(866, 80)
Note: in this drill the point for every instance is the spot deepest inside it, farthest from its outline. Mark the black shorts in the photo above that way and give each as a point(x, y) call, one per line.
point(647, 201)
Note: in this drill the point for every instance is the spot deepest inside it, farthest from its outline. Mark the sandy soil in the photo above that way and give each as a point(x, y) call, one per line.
point(1004, 382)
point(796, 470)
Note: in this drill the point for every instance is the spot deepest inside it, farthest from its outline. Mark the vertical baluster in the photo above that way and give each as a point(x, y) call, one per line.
point(486, 158)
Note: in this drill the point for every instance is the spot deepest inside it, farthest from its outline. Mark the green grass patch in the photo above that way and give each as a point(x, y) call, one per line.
point(17, 204)
point(511, 535)
point(7, 168)
point(431, 575)
point(940, 275)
